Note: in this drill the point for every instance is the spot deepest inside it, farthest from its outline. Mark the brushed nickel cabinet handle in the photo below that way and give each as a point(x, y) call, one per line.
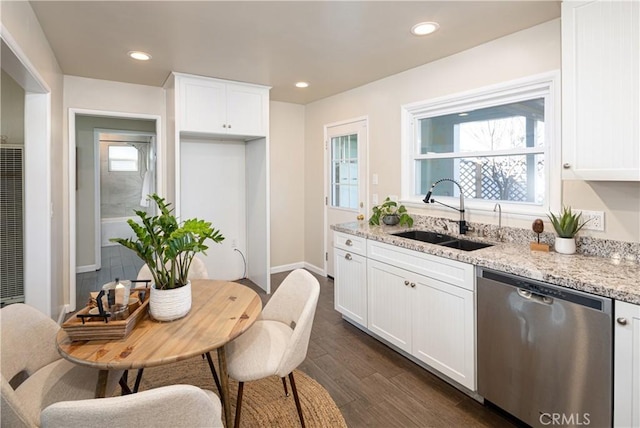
point(622, 321)
point(348, 256)
point(406, 283)
point(566, 165)
point(413, 285)
point(348, 243)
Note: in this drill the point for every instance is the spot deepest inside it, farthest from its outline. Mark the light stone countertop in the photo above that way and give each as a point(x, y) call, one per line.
point(618, 279)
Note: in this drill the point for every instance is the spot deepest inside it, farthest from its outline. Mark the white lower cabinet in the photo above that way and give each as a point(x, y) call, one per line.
point(390, 304)
point(626, 392)
point(430, 319)
point(350, 285)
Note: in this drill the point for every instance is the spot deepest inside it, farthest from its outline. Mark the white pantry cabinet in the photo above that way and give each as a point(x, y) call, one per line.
point(424, 305)
point(350, 282)
point(213, 106)
point(218, 133)
point(626, 363)
point(601, 90)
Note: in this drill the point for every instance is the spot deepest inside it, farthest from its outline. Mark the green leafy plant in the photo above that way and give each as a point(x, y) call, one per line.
point(566, 224)
point(167, 246)
point(390, 208)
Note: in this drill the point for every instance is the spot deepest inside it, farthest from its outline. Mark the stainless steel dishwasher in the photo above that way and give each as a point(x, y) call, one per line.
point(544, 352)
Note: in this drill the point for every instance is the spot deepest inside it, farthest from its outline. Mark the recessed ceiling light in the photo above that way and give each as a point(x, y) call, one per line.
point(424, 28)
point(140, 56)
point(302, 85)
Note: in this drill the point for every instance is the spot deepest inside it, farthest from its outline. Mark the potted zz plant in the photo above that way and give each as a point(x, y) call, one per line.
point(168, 248)
point(391, 214)
point(566, 225)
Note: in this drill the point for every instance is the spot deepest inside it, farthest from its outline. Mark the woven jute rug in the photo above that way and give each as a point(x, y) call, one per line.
point(263, 404)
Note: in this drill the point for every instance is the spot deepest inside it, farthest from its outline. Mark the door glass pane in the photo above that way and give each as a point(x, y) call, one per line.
point(344, 180)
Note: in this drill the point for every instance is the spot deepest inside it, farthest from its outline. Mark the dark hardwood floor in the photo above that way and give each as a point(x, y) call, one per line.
point(373, 385)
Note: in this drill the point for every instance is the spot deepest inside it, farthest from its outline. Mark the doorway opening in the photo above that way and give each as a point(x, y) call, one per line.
point(116, 166)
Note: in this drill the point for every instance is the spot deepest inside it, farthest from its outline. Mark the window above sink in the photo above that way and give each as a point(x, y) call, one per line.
point(501, 143)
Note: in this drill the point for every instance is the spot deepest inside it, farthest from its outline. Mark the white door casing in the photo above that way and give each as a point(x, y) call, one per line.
point(346, 177)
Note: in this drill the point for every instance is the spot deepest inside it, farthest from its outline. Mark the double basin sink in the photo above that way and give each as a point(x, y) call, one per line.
point(443, 240)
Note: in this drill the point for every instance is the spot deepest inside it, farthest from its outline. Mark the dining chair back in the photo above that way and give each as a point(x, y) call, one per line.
point(277, 342)
point(34, 375)
point(172, 406)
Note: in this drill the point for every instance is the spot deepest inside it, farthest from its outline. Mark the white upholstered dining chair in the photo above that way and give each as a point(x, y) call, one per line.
point(277, 342)
point(172, 406)
point(34, 375)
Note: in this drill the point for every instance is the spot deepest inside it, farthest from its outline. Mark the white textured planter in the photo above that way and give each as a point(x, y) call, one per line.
point(565, 245)
point(169, 305)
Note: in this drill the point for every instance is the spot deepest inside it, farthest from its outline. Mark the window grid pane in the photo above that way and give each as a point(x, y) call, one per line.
point(344, 171)
point(123, 158)
point(460, 146)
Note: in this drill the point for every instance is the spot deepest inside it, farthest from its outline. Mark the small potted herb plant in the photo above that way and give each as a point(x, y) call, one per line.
point(566, 225)
point(391, 214)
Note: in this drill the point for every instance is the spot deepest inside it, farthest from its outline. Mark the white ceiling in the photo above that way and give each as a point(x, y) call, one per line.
point(334, 45)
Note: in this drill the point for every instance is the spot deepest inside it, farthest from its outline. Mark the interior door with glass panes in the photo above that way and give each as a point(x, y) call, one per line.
point(346, 189)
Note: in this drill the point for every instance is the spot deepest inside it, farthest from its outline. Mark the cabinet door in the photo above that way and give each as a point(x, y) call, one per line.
point(202, 106)
point(444, 325)
point(601, 90)
point(626, 382)
point(350, 286)
point(246, 107)
point(389, 306)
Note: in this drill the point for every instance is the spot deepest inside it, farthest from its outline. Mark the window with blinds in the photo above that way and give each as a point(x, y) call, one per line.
point(11, 225)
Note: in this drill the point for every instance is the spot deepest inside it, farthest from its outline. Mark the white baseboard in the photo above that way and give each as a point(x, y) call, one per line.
point(298, 265)
point(315, 269)
point(285, 268)
point(87, 268)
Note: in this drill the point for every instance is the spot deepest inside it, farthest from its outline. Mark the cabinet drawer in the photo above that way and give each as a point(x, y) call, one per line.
point(449, 271)
point(351, 243)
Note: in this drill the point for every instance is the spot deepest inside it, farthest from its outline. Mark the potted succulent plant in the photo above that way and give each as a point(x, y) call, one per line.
point(168, 248)
point(391, 214)
point(566, 225)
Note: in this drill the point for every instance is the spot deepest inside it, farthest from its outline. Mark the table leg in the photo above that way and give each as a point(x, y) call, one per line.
point(101, 387)
point(224, 382)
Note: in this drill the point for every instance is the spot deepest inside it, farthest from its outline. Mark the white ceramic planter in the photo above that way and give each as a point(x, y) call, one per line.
point(391, 220)
point(565, 245)
point(169, 305)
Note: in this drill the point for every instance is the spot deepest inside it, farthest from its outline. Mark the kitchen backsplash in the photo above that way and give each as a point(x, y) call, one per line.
point(587, 245)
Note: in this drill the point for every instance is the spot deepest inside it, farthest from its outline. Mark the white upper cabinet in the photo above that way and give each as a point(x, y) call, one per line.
point(601, 90)
point(218, 107)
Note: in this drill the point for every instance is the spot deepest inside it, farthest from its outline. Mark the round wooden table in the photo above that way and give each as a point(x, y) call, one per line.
point(220, 312)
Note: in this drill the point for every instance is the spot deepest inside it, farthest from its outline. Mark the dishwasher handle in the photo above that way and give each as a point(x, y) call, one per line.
point(535, 297)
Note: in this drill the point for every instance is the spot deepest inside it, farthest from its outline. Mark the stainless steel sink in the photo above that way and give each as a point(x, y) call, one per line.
point(443, 240)
point(425, 236)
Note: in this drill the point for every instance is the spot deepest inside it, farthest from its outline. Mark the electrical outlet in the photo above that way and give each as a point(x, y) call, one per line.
point(374, 199)
point(595, 220)
point(234, 243)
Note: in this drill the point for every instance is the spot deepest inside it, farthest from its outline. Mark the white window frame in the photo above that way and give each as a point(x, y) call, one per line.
point(112, 161)
point(546, 85)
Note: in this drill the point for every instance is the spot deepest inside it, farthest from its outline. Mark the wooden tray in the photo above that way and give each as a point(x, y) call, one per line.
point(98, 329)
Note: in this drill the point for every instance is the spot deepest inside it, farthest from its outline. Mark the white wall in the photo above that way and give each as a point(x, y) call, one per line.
point(12, 123)
point(532, 51)
point(287, 184)
point(20, 21)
